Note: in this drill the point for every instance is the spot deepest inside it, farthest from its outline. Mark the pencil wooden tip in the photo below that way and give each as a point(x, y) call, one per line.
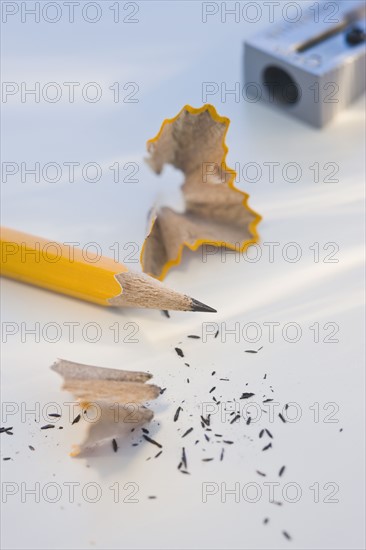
point(139, 290)
point(199, 306)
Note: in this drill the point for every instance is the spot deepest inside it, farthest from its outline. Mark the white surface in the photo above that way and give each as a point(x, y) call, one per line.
point(169, 54)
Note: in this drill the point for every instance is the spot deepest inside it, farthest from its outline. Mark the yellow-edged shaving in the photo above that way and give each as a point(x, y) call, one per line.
point(167, 151)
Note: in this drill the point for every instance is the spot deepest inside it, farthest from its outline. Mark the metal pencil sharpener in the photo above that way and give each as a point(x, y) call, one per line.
point(312, 68)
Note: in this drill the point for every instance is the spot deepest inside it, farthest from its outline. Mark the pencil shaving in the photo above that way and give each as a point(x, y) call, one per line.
point(216, 212)
point(115, 396)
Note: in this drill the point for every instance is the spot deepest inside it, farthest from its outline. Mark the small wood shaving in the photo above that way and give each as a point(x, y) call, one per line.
point(118, 396)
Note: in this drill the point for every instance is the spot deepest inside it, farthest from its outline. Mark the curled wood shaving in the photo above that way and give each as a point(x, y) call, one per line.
point(115, 397)
point(216, 212)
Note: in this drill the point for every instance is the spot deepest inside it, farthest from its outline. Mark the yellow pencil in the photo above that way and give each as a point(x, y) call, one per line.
point(64, 269)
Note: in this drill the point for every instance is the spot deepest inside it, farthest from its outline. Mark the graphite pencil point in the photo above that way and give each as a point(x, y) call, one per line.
point(199, 306)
